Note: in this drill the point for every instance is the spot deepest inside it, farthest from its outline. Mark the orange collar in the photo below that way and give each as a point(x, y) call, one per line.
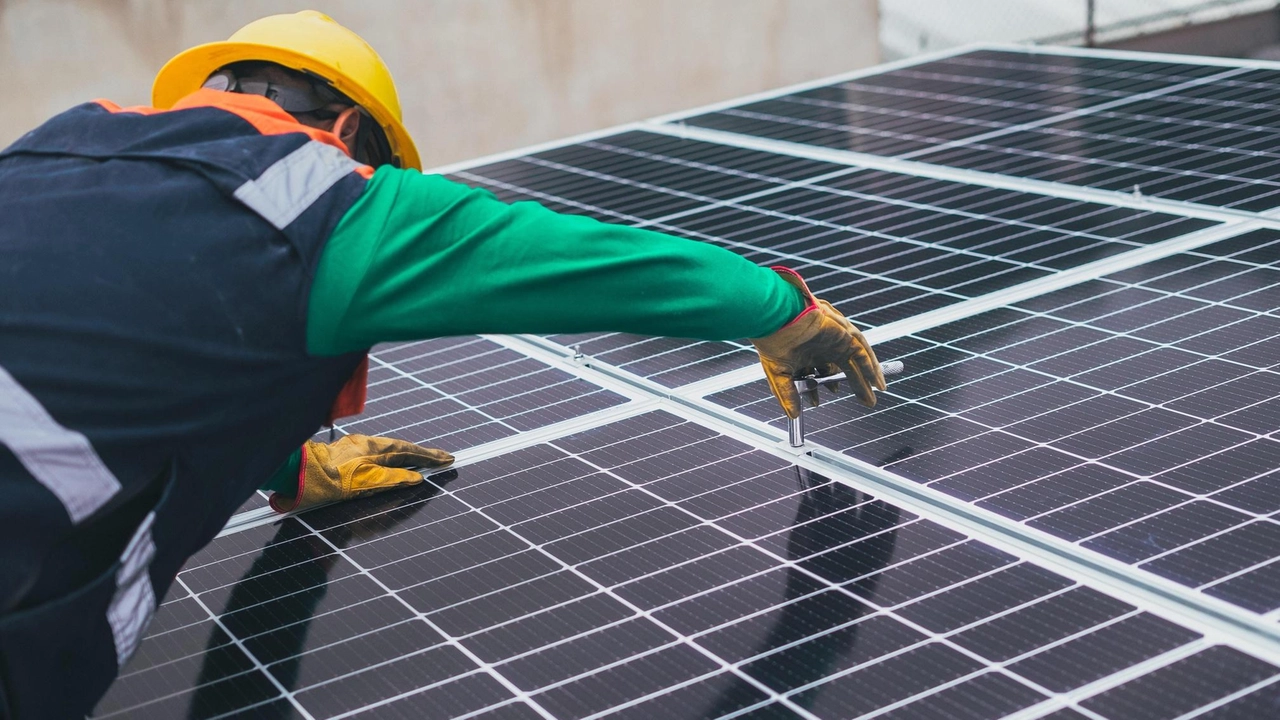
point(267, 117)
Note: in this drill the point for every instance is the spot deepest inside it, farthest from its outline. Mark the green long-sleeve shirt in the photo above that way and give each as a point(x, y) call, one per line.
point(419, 256)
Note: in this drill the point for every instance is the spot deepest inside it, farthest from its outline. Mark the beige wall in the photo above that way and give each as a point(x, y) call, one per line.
point(475, 76)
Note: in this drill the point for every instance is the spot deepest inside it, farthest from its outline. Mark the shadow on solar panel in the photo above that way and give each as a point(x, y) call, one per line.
point(1134, 415)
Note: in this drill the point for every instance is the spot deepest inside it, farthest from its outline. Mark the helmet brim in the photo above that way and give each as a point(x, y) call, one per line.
point(188, 70)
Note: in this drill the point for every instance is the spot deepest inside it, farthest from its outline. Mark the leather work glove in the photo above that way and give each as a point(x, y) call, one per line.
point(357, 465)
point(821, 341)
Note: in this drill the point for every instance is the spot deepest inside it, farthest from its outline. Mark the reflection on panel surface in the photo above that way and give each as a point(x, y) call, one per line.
point(1203, 134)
point(881, 246)
point(646, 568)
point(1135, 415)
point(914, 109)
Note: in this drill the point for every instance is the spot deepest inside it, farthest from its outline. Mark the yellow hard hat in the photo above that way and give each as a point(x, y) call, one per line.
point(308, 41)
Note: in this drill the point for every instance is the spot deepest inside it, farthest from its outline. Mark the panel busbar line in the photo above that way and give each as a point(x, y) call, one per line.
point(1198, 134)
point(653, 568)
point(1134, 415)
point(881, 246)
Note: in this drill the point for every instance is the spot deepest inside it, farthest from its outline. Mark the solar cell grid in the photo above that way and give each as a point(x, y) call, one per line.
point(1209, 145)
point(912, 110)
point(458, 393)
point(1135, 415)
point(679, 574)
point(461, 392)
point(881, 246)
point(1195, 134)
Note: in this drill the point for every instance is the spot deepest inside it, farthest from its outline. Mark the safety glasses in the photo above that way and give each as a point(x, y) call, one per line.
point(290, 98)
point(314, 99)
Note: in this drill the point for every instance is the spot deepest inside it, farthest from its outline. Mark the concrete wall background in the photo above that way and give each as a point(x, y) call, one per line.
point(475, 76)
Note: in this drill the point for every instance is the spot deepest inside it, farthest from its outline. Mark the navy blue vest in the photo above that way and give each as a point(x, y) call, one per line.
point(155, 270)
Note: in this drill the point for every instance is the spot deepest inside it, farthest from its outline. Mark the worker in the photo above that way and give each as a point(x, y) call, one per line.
point(189, 291)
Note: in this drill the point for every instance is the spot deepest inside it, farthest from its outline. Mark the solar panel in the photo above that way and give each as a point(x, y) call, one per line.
point(1199, 134)
point(1135, 415)
point(880, 246)
point(1090, 390)
point(650, 567)
point(918, 107)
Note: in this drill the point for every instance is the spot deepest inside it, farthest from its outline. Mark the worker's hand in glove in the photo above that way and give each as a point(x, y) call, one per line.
point(357, 465)
point(820, 341)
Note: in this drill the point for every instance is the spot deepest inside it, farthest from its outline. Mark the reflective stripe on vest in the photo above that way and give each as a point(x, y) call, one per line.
point(59, 458)
point(134, 602)
point(290, 185)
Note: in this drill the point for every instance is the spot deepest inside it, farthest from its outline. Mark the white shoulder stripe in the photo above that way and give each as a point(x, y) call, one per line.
point(59, 458)
point(287, 188)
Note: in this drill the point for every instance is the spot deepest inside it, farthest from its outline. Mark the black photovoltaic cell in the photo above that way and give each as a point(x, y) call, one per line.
point(1136, 415)
point(648, 568)
point(1201, 134)
point(880, 246)
point(457, 393)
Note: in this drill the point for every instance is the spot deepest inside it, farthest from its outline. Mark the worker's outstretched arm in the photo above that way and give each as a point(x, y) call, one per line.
point(420, 256)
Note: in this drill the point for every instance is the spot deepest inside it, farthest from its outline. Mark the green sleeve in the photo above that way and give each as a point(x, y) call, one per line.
point(420, 256)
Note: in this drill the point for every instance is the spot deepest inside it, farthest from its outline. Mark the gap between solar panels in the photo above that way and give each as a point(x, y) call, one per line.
point(1129, 199)
point(982, 303)
point(1225, 74)
point(970, 237)
point(1246, 630)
